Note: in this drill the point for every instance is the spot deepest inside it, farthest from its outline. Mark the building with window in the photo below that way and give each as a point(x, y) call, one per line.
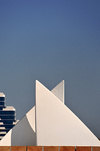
point(7, 116)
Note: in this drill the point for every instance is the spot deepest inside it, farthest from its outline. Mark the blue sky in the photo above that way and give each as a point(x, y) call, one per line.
point(52, 40)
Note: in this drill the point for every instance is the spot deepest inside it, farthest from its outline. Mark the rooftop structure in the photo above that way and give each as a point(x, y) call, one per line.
point(7, 116)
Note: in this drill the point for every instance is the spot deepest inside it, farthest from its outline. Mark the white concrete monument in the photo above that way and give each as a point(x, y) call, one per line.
point(50, 123)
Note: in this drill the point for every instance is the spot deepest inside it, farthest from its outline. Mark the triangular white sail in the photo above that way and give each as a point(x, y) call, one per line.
point(53, 124)
point(59, 91)
point(57, 125)
point(24, 132)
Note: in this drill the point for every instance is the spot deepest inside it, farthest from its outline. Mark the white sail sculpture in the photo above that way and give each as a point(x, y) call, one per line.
point(24, 132)
point(59, 91)
point(50, 123)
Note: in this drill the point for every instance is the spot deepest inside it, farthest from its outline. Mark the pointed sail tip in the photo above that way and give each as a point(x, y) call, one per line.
point(59, 91)
point(37, 82)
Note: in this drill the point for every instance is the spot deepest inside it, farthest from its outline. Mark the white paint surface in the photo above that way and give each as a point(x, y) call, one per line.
point(57, 125)
point(22, 134)
point(59, 91)
point(31, 118)
point(6, 141)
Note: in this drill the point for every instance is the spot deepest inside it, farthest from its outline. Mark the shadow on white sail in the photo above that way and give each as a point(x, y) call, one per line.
point(50, 123)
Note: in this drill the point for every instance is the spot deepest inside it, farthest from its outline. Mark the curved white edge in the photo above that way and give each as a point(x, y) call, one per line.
point(31, 117)
point(23, 133)
point(6, 141)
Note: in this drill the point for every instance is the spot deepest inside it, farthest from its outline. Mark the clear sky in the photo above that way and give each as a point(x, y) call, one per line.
point(52, 40)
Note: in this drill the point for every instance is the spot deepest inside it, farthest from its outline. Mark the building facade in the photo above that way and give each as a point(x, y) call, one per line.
point(7, 116)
